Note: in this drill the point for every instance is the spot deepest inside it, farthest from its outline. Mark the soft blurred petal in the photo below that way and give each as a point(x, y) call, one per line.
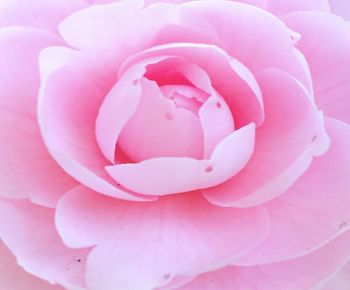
point(299, 274)
point(26, 169)
point(145, 245)
point(29, 231)
point(325, 43)
point(40, 14)
point(13, 277)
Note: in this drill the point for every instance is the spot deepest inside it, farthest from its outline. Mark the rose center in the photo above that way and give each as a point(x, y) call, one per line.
point(165, 124)
point(186, 97)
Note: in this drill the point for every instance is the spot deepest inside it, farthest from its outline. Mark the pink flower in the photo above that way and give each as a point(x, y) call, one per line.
point(192, 145)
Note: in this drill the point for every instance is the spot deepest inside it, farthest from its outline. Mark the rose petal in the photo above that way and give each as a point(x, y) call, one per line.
point(267, 41)
point(329, 64)
point(258, 3)
point(228, 76)
point(196, 75)
point(118, 107)
point(26, 168)
point(286, 6)
point(176, 282)
point(290, 124)
point(142, 246)
point(169, 129)
point(29, 232)
point(340, 7)
point(53, 57)
point(168, 175)
point(70, 287)
point(303, 273)
point(160, 129)
point(68, 105)
point(307, 215)
point(217, 122)
point(37, 13)
point(74, 27)
point(14, 278)
point(338, 281)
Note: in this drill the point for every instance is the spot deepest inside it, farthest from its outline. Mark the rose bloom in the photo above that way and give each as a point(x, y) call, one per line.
point(192, 145)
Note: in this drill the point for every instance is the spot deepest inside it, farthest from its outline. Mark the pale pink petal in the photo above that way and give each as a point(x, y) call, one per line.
point(314, 210)
point(26, 168)
point(338, 281)
point(160, 129)
point(118, 106)
point(303, 61)
point(69, 101)
point(124, 29)
point(29, 232)
point(73, 287)
point(288, 176)
point(168, 175)
point(176, 282)
point(143, 246)
point(41, 14)
point(13, 277)
point(258, 3)
point(217, 122)
point(290, 124)
point(196, 75)
point(302, 273)
point(53, 57)
point(170, 131)
point(340, 7)
point(327, 51)
point(267, 41)
point(227, 75)
point(112, 19)
point(185, 96)
point(286, 6)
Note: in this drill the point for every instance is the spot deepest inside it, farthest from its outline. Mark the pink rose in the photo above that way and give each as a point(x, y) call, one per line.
point(193, 145)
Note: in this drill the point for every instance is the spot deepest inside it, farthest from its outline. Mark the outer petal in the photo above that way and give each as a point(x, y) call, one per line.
point(267, 41)
point(26, 169)
point(286, 6)
point(314, 210)
point(69, 101)
point(143, 246)
point(14, 278)
point(291, 123)
point(119, 12)
point(303, 273)
point(340, 7)
point(326, 44)
point(257, 3)
point(29, 232)
point(37, 13)
point(339, 281)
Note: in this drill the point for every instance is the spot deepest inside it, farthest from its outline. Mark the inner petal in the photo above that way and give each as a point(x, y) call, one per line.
point(161, 128)
point(217, 122)
point(230, 78)
point(186, 97)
